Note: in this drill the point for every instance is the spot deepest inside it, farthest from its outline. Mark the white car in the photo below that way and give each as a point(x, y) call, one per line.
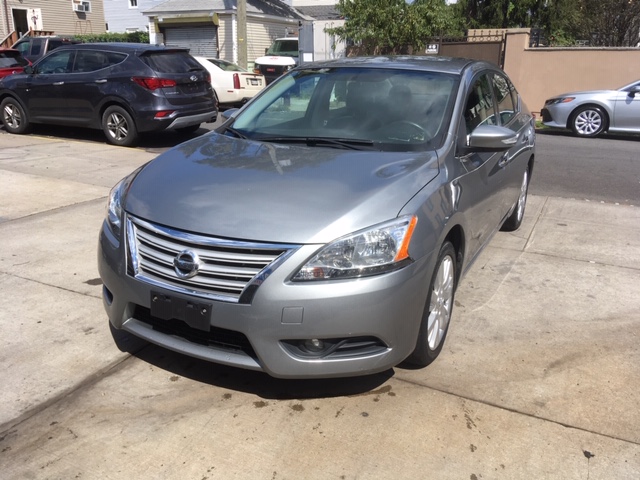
point(233, 85)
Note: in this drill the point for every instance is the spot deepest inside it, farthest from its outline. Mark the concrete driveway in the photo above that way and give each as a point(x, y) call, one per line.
point(539, 378)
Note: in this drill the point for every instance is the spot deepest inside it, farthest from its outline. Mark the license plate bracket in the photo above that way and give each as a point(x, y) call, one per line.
point(195, 314)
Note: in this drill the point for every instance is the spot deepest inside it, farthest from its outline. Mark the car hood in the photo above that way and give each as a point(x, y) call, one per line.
point(585, 93)
point(229, 187)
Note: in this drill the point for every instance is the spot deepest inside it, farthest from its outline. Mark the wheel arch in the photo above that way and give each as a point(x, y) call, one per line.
point(457, 238)
point(112, 102)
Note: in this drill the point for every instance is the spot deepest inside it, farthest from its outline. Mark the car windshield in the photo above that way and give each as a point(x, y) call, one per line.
point(287, 48)
point(346, 107)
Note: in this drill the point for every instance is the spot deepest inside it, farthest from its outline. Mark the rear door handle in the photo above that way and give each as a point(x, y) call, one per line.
point(58, 83)
point(102, 80)
point(504, 159)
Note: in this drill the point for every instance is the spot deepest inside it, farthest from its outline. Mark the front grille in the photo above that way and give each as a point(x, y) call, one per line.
point(216, 337)
point(546, 116)
point(228, 270)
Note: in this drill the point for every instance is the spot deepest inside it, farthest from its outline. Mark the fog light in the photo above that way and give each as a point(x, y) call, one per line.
point(314, 345)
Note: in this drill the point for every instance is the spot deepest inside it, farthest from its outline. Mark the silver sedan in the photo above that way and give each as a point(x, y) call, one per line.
point(322, 230)
point(588, 114)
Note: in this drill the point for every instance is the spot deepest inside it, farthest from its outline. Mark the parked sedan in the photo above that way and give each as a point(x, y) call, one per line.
point(11, 62)
point(322, 230)
point(589, 114)
point(122, 88)
point(232, 85)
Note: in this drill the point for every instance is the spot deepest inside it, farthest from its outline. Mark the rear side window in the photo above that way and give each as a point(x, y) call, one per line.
point(171, 62)
point(36, 46)
point(92, 60)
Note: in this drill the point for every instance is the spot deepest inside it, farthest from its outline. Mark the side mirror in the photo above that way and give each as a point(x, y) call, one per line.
point(28, 69)
point(232, 112)
point(633, 91)
point(491, 138)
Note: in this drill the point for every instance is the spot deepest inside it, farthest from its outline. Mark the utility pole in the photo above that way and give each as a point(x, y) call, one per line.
point(242, 33)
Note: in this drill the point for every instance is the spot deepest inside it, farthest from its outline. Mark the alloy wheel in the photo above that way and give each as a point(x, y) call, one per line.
point(441, 302)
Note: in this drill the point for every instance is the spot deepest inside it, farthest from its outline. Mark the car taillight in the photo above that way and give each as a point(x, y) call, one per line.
point(236, 81)
point(163, 114)
point(153, 83)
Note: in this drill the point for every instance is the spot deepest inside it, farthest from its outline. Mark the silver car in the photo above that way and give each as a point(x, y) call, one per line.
point(322, 230)
point(589, 114)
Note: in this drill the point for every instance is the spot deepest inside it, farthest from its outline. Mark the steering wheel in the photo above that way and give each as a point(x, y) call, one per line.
point(397, 131)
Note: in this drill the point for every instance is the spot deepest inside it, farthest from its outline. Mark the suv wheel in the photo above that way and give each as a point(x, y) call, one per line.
point(119, 127)
point(14, 117)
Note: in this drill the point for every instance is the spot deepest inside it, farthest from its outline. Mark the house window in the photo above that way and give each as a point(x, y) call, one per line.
point(133, 3)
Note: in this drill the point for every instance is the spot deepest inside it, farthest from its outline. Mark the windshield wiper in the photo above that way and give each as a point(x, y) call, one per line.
point(348, 143)
point(235, 133)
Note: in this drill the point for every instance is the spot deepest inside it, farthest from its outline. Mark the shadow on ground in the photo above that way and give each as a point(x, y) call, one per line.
point(247, 381)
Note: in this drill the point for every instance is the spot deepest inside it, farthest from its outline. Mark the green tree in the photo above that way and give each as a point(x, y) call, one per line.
point(392, 26)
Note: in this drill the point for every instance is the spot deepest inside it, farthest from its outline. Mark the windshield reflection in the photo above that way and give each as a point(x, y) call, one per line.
point(393, 110)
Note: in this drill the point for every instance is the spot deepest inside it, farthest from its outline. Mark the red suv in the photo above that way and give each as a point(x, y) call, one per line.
point(11, 62)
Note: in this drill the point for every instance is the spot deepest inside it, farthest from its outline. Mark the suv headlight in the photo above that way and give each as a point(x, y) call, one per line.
point(376, 250)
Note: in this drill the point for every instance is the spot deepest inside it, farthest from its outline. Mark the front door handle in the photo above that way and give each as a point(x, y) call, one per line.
point(58, 83)
point(504, 159)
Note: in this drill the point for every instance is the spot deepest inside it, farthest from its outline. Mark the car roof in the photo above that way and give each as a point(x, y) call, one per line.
point(431, 63)
point(137, 48)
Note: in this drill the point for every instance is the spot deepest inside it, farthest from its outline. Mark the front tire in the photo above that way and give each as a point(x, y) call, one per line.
point(437, 312)
point(119, 127)
point(589, 121)
point(513, 222)
point(14, 117)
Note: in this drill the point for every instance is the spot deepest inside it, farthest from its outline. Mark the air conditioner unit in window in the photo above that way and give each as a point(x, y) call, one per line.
point(80, 6)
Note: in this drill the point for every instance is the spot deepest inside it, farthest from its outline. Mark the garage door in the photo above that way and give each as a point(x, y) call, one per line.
point(201, 41)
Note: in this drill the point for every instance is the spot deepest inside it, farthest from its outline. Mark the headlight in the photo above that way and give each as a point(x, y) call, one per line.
point(379, 249)
point(553, 101)
point(114, 207)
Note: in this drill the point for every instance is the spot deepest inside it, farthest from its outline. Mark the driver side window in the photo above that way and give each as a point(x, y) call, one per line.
point(479, 109)
point(60, 62)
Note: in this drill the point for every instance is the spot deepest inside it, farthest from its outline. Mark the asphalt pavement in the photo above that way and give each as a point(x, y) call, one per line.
point(539, 378)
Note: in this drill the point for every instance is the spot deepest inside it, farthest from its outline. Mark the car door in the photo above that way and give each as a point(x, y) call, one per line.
point(481, 187)
point(510, 116)
point(44, 92)
point(84, 88)
point(626, 113)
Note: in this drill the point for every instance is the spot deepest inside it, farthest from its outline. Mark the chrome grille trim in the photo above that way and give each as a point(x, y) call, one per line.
point(230, 270)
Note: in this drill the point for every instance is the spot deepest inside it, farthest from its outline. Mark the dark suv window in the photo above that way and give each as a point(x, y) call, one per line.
point(171, 62)
point(60, 62)
point(92, 60)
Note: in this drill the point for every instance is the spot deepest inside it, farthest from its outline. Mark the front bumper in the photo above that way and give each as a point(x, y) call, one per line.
point(377, 318)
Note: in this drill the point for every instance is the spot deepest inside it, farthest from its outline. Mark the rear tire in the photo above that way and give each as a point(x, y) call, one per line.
point(437, 311)
point(14, 117)
point(119, 127)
